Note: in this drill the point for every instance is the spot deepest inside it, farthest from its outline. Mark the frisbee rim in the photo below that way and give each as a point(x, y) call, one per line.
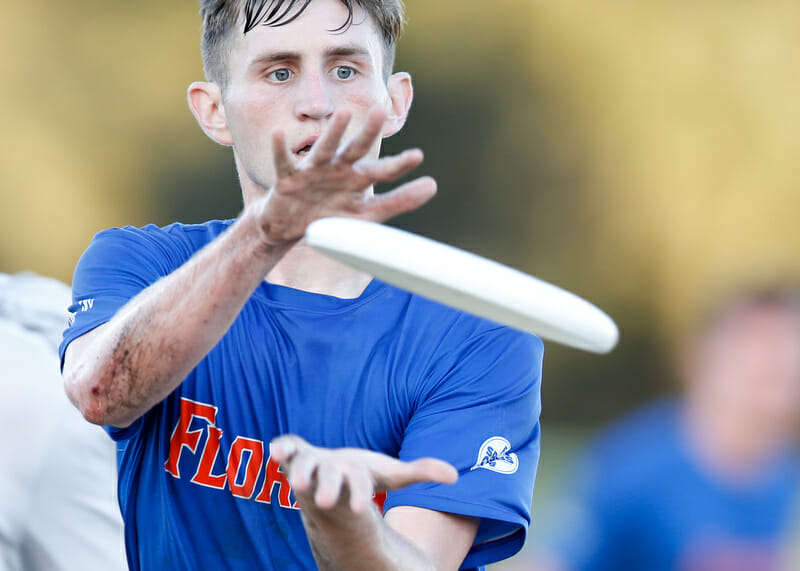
point(492, 291)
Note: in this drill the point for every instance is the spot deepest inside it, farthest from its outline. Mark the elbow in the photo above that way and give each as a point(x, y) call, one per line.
point(94, 382)
point(96, 411)
point(92, 397)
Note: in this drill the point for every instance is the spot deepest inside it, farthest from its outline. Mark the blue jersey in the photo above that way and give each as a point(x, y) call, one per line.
point(644, 502)
point(388, 371)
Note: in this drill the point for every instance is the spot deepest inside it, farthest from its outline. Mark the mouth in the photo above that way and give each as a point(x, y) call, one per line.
point(305, 147)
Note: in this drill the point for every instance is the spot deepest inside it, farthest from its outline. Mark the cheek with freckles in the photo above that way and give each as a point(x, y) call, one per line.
point(251, 129)
point(360, 104)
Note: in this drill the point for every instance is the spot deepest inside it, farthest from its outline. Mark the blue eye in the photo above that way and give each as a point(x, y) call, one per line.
point(282, 74)
point(344, 72)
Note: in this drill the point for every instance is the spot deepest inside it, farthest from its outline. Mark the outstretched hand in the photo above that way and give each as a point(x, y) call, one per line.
point(347, 478)
point(332, 178)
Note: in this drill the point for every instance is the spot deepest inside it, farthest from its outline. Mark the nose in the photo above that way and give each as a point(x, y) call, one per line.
point(314, 99)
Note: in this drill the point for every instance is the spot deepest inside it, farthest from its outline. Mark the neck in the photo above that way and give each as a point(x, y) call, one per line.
point(303, 267)
point(306, 269)
point(728, 446)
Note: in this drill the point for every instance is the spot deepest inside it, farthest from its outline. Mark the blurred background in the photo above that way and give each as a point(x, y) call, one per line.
point(641, 154)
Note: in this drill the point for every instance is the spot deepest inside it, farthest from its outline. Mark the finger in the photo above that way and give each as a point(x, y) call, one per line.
point(361, 491)
point(302, 469)
point(283, 448)
point(281, 156)
point(405, 198)
point(390, 168)
point(404, 474)
point(434, 470)
point(326, 146)
point(329, 486)
point(366, 139)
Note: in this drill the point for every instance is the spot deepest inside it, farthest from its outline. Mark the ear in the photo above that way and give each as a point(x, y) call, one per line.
point(205, 101)
point(401, 94)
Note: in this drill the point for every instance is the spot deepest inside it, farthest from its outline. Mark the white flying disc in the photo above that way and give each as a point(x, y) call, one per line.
point(465, 281)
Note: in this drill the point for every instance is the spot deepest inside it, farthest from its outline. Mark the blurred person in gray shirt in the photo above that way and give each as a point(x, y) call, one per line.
point(58, 507)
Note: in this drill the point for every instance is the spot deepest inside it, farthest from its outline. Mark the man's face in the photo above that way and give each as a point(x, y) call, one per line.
point(294, 77)
point(750, 366)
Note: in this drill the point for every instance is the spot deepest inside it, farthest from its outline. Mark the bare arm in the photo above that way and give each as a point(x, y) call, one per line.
point(334, 489)
point(117, 372)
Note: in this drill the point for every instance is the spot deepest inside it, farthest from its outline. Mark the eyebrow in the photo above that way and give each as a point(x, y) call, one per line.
point(349, 50)
point(336, 51)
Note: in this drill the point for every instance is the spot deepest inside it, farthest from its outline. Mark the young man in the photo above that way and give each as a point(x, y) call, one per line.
point(245, 376)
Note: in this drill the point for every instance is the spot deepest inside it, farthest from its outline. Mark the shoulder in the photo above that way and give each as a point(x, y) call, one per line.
point(162, 248)
point(457, 351)
point(651, 422)
point(636, 448)
point(190, 234)
point(459, 331)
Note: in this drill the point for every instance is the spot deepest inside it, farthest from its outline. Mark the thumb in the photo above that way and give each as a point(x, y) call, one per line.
point(422, 470)
point(433, 470)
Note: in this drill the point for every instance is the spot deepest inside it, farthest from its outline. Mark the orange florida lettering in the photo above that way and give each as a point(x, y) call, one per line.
point(182, 436)
point(252, 467)
point(203, 476)
point(275, 477)
point(244, 461)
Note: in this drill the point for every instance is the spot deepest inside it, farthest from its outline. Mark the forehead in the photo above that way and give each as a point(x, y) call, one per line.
point(317, 30)
point(775, 326)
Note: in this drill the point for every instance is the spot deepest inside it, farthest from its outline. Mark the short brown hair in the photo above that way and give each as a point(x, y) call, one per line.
point(222, 17)
point(781, 297)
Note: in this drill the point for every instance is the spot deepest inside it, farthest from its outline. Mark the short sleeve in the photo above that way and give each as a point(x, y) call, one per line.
point(118, 264)
point(481, 414)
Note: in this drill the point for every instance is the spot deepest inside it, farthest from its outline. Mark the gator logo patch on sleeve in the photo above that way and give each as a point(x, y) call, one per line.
point(495, 455)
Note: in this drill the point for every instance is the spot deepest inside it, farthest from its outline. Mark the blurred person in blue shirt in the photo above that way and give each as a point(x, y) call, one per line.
point(706, 481)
